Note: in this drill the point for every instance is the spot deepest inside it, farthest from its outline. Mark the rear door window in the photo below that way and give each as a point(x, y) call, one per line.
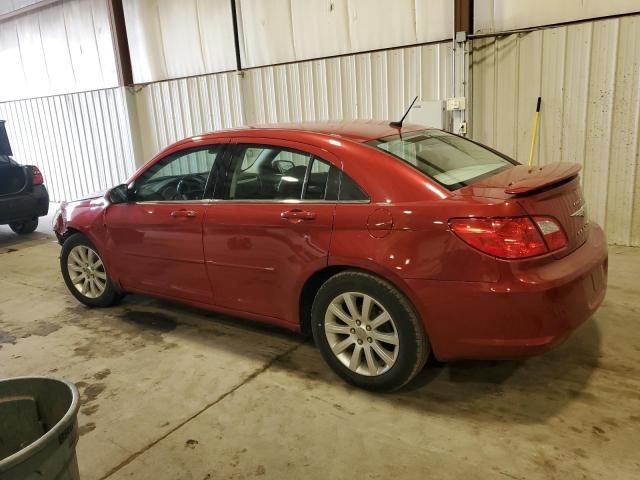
point(269, 172)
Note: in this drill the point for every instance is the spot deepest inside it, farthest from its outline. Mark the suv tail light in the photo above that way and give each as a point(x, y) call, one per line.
point(511, 237)
point(36, 176)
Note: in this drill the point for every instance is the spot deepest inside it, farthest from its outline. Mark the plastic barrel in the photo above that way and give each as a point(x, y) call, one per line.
point(38, 429)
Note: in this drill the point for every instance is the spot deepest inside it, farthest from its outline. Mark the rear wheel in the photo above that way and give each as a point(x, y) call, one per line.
point(24, 228)
point(85, 274)
point(368, 332)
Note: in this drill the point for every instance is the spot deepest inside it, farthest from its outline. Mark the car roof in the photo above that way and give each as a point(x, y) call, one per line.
point(354, 130)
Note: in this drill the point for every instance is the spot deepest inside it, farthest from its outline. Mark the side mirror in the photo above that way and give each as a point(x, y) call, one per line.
point(119, 194)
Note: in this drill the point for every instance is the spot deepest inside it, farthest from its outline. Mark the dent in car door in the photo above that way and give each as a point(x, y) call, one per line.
point(157, 244)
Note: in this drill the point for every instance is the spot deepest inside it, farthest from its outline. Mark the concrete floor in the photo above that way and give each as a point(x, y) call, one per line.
point(169, 392)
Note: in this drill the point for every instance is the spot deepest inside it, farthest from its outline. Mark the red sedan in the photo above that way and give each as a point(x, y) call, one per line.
point(387, 243)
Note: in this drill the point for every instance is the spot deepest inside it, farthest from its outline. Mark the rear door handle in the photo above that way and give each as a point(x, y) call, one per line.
point(183, 213)
point(297, 214)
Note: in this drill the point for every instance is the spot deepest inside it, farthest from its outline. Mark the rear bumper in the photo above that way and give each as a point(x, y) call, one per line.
point(528, 311)
point(25, 206)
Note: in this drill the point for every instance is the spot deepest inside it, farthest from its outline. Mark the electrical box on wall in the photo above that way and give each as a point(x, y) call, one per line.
point(429, 113)
point(456, 103)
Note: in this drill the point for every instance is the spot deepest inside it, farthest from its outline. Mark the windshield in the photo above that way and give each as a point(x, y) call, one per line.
point(450, 160)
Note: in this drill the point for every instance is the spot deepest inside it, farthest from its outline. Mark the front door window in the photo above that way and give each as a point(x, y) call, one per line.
point(182, 176)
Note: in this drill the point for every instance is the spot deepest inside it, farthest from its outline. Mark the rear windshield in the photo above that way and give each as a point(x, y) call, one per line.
point(450, 160)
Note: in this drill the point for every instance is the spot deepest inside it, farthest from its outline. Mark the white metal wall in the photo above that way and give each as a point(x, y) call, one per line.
point(65, 47)
point(84, 142)
point(588, 75)
point(501, 15)
point(80, 141)
point(175, 109)
point(281, 31)
point(370, 85)
point(172, 39)
point(8, 6)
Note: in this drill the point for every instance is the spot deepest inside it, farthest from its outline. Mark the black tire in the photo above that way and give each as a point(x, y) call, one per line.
point(412, 347)
point(24, 228)
point(109, 296)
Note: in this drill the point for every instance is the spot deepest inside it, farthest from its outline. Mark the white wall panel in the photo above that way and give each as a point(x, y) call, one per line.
point(171, 39)
point(280, 31)
point(8, 6)
point(173, 110)
point(61, 48)
point(588, 76)
point(501, 15)
point(373, 85)
point(81, 142)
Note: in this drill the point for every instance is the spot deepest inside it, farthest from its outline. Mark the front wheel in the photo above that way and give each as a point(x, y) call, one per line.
point(85, 274)
point(24, 228)
point(368, 332)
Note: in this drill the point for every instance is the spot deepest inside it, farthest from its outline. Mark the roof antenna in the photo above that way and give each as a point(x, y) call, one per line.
point(399, 124)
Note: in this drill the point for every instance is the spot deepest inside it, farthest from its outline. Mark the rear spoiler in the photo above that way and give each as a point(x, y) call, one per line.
point(544, 177)
point(5, 146)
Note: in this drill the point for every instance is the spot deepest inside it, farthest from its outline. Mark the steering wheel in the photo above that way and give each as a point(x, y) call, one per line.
point(190, 187)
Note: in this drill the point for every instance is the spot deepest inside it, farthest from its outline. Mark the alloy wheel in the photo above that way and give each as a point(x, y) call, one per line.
point(86, 271)
point(361, 333)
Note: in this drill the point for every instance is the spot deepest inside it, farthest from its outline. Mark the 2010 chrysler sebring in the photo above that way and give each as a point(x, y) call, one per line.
point(387, 243)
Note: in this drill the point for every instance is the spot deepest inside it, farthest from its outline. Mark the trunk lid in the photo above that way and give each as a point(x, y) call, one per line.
point(13, 178)
point(552, 190)
point(5, 146)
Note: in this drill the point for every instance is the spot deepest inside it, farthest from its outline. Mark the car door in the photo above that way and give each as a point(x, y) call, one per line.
point(270, 227)
point(157, 236)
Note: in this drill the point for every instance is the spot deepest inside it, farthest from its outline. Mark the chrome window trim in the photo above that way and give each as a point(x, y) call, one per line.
point(172, 202)
point(288, 201)
point(221, 200)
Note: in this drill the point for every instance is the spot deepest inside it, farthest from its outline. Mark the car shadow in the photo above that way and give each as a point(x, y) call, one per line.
point(528, 391)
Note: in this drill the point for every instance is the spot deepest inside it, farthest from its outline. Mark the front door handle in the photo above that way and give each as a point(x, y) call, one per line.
point(183, 213)
point(297, 214)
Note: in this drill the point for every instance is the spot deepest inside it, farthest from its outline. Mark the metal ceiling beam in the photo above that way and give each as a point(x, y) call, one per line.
point(463, 16)
point(120, 42)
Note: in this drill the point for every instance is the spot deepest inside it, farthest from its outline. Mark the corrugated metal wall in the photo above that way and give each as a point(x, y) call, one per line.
point(502, 15)
point(61, 48)
point(371, 85)
point(84, 142)
point(588, 75)
point(172, 110)
point(81, 141)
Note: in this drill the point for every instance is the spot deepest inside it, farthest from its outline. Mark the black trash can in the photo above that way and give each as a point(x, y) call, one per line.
point(38, 429)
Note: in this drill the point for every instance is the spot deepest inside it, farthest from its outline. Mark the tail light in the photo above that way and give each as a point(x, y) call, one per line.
point(552, 232)
point(511, 237)
point(36, 176)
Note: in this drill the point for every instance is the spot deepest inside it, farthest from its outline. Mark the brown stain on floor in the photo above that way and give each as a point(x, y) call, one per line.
point(102, 374)
point(84, 429)
point(153, 320)
point(6, 337)
point(91, 392)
